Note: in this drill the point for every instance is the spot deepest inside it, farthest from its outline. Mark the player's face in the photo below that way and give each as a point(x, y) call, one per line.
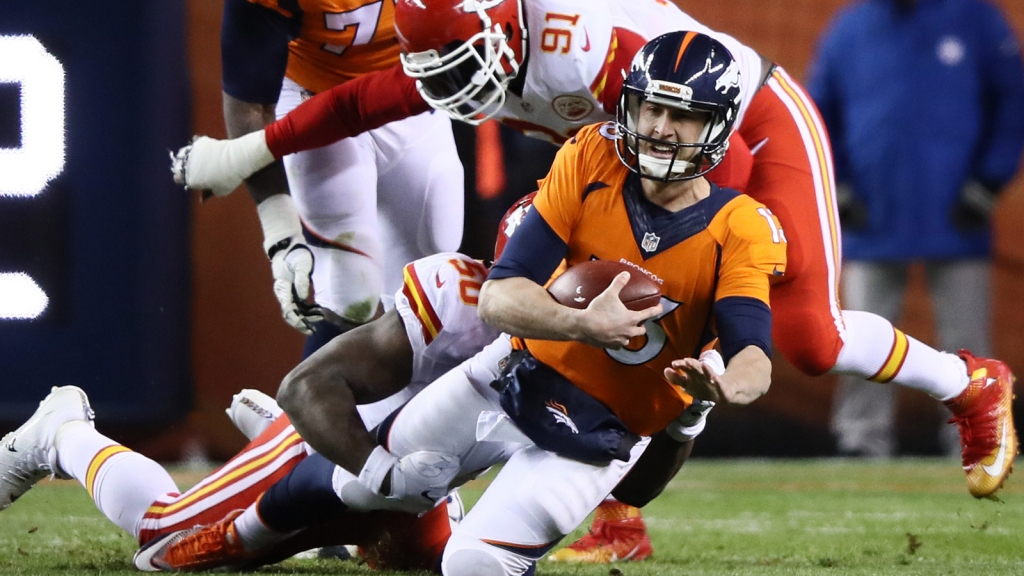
point(669, 124)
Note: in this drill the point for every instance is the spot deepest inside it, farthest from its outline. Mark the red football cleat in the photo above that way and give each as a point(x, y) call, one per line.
point(196, 549)
point(984, 414)
point(618, 534)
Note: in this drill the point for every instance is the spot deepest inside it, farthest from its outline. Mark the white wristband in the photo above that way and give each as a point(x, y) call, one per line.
point(377, 466)
point(713, 360)
point(279, 219)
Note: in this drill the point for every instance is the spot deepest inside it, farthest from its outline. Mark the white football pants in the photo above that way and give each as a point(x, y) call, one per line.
point(377, 202)
point(536, 499)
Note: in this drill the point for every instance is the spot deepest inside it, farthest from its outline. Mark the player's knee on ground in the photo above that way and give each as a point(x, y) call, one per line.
point(468, 556)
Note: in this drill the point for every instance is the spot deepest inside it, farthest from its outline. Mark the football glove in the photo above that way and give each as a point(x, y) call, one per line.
point(220, 166)
point(291, 262)
point(418, 480)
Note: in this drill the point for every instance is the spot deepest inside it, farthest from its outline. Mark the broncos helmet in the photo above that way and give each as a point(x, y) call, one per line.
point(685, 70)
point(463, 53)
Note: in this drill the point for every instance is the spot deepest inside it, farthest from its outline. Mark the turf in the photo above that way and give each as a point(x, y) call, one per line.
point(718, 517)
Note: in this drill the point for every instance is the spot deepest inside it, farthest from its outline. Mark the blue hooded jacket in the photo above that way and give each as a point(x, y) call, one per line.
point(918, 102)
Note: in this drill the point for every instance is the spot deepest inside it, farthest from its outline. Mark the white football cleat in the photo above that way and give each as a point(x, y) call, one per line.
point(252, 412)
point(27, 455)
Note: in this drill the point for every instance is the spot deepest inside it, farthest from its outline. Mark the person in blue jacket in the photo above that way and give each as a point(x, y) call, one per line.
point(924, 103)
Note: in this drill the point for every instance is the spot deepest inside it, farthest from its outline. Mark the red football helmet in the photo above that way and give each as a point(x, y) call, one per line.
point(463, 53)
point(510, 222)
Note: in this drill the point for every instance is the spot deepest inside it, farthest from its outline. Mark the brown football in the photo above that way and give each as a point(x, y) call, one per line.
point(580, 284)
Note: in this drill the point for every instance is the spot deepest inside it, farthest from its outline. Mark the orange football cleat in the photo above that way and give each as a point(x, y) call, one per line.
point(196, 549)
point(984, 414)
point(617, 534)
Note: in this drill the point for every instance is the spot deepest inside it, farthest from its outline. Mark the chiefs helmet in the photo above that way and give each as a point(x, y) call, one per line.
point(510, 222)
point(463, 53)
point(689, 71)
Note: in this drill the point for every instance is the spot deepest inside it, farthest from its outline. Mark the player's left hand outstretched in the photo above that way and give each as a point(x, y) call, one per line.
point(697, 378)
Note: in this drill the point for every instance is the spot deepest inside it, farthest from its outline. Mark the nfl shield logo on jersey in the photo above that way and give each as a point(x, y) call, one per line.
point(650, 242)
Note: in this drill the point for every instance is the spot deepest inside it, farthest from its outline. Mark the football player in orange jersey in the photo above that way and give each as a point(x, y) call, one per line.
point(631, 191)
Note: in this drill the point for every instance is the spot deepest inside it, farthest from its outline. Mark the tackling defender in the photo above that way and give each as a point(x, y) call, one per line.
point(430, 331)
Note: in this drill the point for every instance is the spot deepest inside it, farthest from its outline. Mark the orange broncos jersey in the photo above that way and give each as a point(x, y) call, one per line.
point(339, 40)
point(726, 245)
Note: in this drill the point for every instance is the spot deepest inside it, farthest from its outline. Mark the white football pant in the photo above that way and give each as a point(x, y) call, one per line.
point(536, 499)
point(380, 200)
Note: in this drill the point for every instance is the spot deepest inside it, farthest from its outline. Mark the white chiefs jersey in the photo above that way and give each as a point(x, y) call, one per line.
point(437, 303)
point(574, 54)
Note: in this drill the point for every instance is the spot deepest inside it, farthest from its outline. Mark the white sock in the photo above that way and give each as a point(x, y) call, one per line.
point(875, 350)
point(122, 483)
point(254, 533)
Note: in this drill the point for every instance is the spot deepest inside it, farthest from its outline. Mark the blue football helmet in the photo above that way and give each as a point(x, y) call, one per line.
point(685, 70)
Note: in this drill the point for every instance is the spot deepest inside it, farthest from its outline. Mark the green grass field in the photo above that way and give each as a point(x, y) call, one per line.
point(717, 517)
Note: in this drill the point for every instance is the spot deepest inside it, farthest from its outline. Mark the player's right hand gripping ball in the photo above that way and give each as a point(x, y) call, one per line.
point(580, 284)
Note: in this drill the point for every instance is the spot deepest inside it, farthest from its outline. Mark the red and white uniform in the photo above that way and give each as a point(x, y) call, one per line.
point(384, 198)
point(438, 307)
point(578, 47)
point(437, 303)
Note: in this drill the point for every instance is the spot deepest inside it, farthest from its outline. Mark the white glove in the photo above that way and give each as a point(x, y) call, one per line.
point(220, 166)
point(418, 480)
point(691, 422)
point(291, 262)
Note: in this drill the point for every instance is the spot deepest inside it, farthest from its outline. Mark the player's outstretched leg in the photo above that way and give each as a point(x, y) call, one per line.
point(27, 455)
point(617, 534)
point(984, 414)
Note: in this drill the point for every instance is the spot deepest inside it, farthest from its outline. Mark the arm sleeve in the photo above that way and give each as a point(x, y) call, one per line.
point(1002, 135)
point(741, 322)
point(349, 109)
point(254, 51)
point(534, 251)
